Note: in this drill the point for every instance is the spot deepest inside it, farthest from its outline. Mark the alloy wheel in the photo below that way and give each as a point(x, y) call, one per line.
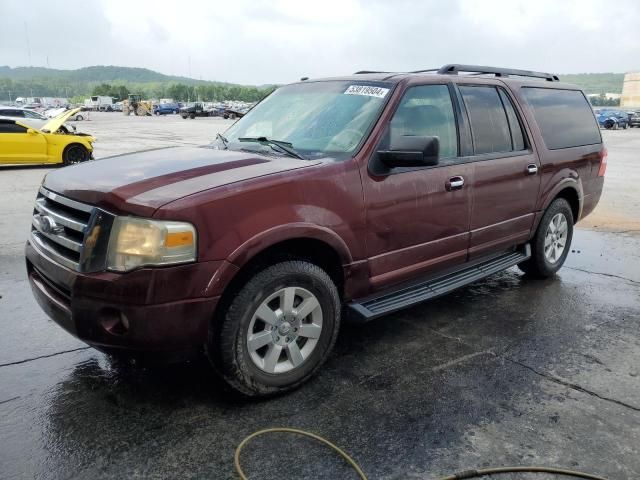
point(555, 238)
point(284, 330)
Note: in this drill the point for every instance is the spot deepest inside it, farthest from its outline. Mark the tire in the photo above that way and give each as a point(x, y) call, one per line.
point(625, 127)
point(609, 124)
point(79, 118)
point(270, 367)
point(184, 116)
point(541, 264)
point(74, 154)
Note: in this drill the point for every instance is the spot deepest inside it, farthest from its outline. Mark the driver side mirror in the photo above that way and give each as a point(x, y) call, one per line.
point(411, 151)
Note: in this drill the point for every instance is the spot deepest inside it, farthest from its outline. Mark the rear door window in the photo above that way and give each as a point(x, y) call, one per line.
point(489, 123)
point(565, 117)
point(517, 136)
point(13, 113)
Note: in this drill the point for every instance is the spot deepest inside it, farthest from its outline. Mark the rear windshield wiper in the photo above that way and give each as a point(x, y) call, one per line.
point(286, 147)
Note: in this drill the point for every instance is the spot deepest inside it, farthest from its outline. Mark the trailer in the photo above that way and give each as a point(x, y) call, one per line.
point(99, 103)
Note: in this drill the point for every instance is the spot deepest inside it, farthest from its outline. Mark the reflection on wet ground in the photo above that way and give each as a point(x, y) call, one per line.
point(506, 371)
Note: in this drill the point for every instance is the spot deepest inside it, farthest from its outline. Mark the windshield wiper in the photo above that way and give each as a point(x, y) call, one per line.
point(286, 147)
point(223, 139)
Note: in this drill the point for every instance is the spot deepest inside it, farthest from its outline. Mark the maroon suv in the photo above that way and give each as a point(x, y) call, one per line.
point(357, 195)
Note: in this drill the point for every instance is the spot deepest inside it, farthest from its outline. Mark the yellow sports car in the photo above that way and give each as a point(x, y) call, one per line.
point(50, 144)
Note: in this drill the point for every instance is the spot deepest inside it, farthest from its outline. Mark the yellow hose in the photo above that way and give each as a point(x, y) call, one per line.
point(342, 453)
point(457, 476)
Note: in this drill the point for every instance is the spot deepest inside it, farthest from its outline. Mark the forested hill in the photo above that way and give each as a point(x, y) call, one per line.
point(40, 81)
point(98, 73)
point(596, 82)
point(117, 82)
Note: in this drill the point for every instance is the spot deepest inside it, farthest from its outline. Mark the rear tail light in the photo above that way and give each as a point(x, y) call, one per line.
point(603, 162)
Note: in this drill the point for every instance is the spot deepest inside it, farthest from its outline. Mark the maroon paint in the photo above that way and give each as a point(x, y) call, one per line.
point(384, 229)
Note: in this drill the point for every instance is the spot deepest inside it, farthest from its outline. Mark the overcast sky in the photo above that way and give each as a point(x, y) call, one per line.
point(278, 41)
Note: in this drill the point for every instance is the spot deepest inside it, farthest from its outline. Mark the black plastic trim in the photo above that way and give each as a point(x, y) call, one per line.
point(380, 304)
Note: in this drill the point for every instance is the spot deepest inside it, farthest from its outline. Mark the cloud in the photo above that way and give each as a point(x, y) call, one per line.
point(261, 41)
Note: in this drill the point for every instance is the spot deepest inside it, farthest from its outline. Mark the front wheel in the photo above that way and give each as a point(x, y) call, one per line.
point(552, 241)
point(74, 154)
point(192, 116)
point(278, 329)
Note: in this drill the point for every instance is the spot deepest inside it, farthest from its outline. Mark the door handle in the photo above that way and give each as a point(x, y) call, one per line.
point(454, 183)
point(532, 169)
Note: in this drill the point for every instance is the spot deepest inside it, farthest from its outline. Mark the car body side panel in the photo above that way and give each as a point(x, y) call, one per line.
point(575, 168)
point(19, 148)
point(321, 202)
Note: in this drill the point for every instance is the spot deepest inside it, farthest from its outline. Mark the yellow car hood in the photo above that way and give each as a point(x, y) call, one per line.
point(55, 123)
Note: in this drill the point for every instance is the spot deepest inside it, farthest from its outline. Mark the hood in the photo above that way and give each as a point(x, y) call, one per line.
point(140, 183)
point(55, 123)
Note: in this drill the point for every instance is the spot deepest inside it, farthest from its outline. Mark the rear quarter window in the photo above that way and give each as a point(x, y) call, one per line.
point(565, 117)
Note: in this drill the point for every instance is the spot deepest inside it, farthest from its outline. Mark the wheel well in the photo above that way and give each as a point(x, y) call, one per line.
point(74, 144)
point(571, 196)
point(309, 249)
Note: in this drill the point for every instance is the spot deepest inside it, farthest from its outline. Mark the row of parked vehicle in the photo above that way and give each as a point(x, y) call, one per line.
point(192, 110)
point(614, 119)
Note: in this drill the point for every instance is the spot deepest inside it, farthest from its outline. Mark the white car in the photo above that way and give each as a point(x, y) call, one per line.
point(54, 112)
point(32, 118)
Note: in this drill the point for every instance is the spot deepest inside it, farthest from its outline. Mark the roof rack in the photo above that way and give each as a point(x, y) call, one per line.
point(454, 69)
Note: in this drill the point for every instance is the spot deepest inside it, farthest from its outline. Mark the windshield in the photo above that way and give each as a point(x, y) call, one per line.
point(318, 119)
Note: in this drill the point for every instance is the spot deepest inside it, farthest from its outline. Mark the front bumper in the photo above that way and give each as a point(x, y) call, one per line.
point(149, 310)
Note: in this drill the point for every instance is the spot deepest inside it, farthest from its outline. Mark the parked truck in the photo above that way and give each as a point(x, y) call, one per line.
point(99, 103)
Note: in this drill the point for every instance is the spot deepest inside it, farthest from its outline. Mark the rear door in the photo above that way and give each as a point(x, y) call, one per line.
point(506, 170)
point(417, 221)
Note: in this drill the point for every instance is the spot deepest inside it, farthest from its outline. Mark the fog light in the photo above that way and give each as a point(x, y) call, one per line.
point(114, 321)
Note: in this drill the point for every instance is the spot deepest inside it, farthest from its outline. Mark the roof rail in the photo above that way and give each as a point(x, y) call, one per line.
point(362, 72)
point(454, 69)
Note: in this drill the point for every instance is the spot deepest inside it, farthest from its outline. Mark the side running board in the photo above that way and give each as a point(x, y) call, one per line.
point(372, 307)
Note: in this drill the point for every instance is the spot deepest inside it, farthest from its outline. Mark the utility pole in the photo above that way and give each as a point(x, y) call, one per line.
point(26, 32)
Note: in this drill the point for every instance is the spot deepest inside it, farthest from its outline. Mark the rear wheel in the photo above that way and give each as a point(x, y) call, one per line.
point(74, 154)
point(192, 116)
point(551, 243)
point(278, 330)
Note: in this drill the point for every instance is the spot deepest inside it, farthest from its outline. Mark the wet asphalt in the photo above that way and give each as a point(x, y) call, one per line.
point(506, 371)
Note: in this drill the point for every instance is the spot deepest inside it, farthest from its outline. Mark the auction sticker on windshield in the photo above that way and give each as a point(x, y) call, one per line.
point(367, 90)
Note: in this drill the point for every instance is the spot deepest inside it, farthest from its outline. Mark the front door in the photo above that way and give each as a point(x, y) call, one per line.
point(418, 218)
point(506, 171)
point(19, 146)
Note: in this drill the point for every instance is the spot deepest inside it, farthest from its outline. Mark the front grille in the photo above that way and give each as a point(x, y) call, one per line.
point(59, 225)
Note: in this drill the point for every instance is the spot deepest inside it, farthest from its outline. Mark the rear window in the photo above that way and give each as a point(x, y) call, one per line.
point(489, 124)
point(565, 117)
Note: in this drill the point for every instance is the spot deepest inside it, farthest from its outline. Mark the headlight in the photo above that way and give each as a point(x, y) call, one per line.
point(137, 242)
